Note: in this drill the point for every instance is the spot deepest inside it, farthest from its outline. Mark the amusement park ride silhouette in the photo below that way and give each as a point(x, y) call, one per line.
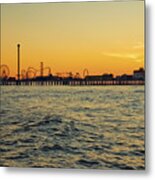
point(32, 73)
point(44, 76)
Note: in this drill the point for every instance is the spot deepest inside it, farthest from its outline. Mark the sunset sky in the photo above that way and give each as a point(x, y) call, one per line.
point(104, 37)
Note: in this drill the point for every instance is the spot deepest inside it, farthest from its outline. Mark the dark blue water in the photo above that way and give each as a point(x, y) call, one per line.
point(72, 127)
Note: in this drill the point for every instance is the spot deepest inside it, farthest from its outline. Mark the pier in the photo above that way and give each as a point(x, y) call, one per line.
point(45, 77)
point(68, 83)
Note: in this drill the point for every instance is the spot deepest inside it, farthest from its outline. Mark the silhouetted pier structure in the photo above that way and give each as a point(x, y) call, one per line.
point(71, 82)
point(30, 77)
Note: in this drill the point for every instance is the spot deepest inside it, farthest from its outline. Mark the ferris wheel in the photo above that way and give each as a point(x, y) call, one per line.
point(4, 71)
point(31, 73)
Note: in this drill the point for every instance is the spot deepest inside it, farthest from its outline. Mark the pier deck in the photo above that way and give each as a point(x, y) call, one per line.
point(71, 82)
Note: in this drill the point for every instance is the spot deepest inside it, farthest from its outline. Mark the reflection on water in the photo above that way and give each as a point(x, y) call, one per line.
point(72, 127)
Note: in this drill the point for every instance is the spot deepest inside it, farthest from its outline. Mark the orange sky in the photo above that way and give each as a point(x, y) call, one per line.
point(104, 37)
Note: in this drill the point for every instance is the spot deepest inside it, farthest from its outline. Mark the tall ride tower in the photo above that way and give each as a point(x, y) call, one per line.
point(18, 63)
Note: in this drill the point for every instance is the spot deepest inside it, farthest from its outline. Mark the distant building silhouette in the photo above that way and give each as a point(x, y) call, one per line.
point(139, 74)
point(93, 78)
point(107, 77)
point(124, 77)
point(104, 77)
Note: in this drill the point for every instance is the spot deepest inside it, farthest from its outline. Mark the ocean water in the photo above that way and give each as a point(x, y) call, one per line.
point(97, 127)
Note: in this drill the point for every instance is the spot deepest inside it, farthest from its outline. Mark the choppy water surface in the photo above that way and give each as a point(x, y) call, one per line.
point(72, 127)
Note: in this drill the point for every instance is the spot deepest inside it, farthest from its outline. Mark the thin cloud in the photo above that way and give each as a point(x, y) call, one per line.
point(122, 55)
